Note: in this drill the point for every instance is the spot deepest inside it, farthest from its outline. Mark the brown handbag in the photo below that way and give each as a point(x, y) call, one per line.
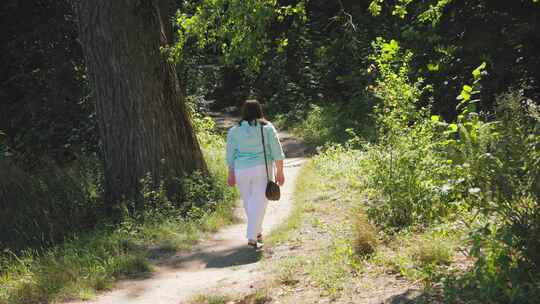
point(273, 192)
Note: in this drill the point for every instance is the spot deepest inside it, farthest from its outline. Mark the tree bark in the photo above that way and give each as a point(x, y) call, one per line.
point(142, 119)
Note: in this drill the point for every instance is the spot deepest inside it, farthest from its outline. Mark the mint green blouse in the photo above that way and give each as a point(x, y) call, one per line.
point(244, 145)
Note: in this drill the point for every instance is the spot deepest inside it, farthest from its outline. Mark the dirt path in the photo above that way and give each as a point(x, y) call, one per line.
point(223, 261)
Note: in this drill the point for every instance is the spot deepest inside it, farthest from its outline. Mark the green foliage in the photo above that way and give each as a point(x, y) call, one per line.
point(91, 262)
point(506, 246)
point(429, 29)
point(342, 163)
point(518, 145)
point(425, 170)
point(238, 29)
point(334, 187)
point(499, 164)
point(411, 181)
point(324, 125)
point(331, 267)
point(398, 108)
point(429, 12)
point(288, 270)
point(408, 170)
point(325, 193)
point(205, 128)
point(400, 8)
point(340, 185)
point(476, 164)
point(433, 251)
point(436, 159)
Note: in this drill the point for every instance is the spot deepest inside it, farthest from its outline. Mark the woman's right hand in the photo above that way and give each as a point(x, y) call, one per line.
point(280, 178)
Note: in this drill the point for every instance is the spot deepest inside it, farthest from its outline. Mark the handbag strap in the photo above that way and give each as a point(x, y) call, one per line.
point(264, 152)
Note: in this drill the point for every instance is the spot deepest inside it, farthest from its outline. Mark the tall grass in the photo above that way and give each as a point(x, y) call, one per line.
point(91, 262)
point(43, 207)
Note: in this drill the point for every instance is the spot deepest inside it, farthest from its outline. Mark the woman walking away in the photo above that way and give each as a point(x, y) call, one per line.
point(247, 169)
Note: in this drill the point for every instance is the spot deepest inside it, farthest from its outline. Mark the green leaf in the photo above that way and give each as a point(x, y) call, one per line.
point(477, 73)
point(435, 118)
point(453, 127)
point(464, 96)
point(465, 93)
point(375, 7)
point(433, 67)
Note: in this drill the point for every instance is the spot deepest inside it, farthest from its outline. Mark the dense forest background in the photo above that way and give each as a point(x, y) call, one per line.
point(451, 84)
point(318, 56)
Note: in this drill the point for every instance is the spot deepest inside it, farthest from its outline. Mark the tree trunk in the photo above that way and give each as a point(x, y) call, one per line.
point(142, 119)
point(167, 10)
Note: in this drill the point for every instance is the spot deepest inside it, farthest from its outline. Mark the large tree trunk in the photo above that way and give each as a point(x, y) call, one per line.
point(142, 119)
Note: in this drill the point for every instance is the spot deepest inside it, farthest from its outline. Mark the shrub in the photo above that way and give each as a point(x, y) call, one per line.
point(410, 180)
point(408, 170)
point(507, 245)
point(336, 123)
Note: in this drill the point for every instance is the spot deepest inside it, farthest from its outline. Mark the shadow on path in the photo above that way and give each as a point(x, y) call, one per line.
point(205, 257)
point(410, 296)
point(237, 256)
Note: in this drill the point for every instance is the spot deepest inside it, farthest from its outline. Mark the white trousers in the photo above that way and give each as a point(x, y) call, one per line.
point(252, 186)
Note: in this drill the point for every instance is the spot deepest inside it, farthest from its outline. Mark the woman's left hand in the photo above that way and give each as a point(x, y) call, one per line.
point(231, 179)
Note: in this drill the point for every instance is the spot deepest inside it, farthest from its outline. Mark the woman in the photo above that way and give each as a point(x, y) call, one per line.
point(245, 159)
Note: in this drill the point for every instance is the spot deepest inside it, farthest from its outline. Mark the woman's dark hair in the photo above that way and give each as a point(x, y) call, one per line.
point(252, 112)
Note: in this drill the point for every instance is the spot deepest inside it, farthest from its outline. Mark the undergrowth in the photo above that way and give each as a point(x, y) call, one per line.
point(321, 125)
point(450, 204)
point(415, 205)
